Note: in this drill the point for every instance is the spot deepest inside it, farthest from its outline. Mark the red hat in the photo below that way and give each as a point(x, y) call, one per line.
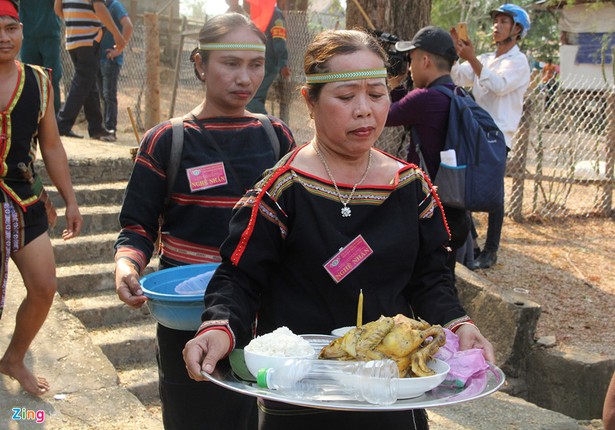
point(8, 8)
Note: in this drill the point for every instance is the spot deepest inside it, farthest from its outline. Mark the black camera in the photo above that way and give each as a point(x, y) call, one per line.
point(398, 61)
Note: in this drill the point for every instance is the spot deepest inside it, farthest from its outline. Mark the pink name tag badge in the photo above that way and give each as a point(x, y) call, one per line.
point(348, 258)
point(206, 176)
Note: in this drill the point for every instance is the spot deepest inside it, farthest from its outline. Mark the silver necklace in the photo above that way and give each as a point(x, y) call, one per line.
point(346, 212)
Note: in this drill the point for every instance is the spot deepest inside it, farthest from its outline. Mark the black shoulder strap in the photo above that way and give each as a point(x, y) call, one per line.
point(273, 138)
point(177, 145)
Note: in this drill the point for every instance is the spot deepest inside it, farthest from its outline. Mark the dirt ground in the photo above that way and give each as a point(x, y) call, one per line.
point(566, 266)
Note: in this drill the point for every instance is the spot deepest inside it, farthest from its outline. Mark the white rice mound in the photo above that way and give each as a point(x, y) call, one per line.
point(281, 342)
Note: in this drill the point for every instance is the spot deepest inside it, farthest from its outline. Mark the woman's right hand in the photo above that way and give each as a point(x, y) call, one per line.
point(127, 284)
point(202, 353)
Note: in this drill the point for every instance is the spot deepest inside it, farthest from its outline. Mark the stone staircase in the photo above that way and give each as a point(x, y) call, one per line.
point(85, 276)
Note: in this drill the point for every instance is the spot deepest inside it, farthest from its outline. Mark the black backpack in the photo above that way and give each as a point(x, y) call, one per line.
point(476, 182)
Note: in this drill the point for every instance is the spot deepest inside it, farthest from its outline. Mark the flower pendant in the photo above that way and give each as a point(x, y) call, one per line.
point(346, 212)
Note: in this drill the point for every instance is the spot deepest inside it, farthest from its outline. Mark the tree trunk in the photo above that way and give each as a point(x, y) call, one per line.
point(399, 17)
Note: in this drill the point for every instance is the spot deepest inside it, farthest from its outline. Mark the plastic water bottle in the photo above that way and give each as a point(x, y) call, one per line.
point(329, 380)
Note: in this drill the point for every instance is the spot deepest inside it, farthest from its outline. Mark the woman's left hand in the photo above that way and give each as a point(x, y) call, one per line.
point(470, 337)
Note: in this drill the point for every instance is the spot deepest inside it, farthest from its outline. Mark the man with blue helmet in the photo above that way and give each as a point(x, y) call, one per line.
point(499, 80)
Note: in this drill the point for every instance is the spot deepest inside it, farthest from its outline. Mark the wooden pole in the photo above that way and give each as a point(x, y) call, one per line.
point(168, 47)
point(610, 153)
point(133, 10)
point(178, 59)
point(516, 166)
point(152, 64)
point(134, 125)
point(171, 18)
point(135, 149)
point(365, 16)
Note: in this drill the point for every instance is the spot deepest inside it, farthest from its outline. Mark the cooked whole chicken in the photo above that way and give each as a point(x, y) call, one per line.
point(410, 343)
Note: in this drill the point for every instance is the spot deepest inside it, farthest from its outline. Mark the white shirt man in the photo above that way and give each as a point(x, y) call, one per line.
point(499, 80)
point(499, 88)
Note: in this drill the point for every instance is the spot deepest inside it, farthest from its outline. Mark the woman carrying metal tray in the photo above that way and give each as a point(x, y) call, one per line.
point(335, 217)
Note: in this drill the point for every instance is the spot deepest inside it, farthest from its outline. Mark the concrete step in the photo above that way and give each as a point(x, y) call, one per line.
point(85, 391)
point(127, 343)
point(104, 309)
point(80, 279)
point(93, 248)
point(92, 194)
point(96, 219)
point(142, 381)
point(93, 170)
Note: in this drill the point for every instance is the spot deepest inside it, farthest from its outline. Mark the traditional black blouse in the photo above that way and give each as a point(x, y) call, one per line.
point(195, 221)
point(290, 226)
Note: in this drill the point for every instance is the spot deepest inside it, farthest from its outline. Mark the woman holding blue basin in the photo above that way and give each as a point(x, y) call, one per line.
point(225, 151)
point(337, 217)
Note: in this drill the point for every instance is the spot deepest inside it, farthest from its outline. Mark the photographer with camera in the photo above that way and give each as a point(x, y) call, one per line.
point(424, 111)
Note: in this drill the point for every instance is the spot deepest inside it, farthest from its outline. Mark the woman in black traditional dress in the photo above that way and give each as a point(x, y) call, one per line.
point(225, 150)
point(334, 217)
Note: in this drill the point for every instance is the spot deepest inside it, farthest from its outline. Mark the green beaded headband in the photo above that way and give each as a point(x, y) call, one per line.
point(232, 47)
point(323, 78)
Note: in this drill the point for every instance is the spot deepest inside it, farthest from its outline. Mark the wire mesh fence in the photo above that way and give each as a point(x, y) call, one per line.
point(563, 155)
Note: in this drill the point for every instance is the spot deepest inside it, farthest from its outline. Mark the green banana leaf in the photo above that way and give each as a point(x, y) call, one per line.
point(238, 364)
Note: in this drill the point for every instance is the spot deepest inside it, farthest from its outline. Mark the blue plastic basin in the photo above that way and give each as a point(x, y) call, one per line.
point(173, 310)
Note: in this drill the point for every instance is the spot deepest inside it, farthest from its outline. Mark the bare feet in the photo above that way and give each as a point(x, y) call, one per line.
point(34, 385)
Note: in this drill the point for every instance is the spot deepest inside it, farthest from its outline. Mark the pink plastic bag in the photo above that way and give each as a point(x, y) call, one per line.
point(465, 365)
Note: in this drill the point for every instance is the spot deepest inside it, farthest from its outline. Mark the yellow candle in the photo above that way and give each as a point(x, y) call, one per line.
point(360, 309)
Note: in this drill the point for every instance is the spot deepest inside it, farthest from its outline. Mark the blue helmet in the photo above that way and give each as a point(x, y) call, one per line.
point(518, 15)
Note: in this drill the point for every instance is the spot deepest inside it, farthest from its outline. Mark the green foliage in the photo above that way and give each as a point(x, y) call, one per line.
point(333, 17)
point(194, 9)
point(542, 42)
